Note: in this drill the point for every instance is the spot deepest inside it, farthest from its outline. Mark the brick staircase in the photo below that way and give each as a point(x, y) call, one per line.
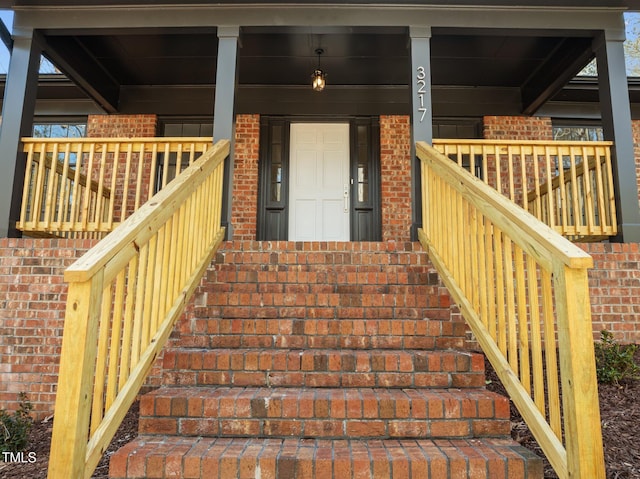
point(315, 360)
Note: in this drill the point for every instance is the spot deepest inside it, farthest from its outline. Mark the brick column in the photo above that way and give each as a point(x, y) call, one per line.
point(517, 128)
point(395, 170)
point(121, 126)
point(245, 177)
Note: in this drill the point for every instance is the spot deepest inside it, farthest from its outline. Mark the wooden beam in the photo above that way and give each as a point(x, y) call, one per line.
point(85, 70)
point(557, 70)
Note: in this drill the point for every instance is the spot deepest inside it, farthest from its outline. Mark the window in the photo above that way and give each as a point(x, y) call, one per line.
point(61, 130)
point(578, 133)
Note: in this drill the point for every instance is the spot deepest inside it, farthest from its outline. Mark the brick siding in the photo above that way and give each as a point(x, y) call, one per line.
point(33, 296)
point(614, 286)
point(395, 169)
point(245, 177)
point(517, 128)
point(123, 126)
point(32, 304)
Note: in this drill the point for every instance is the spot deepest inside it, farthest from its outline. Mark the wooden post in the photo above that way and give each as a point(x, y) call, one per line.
point(421, 113)
point(75, 381)
point(616, 122)
point(224, 108)
point(17, 118)
point(583, 436)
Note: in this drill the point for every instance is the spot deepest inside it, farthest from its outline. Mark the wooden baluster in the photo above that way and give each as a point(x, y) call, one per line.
point(154, 167)
point(126, 186)
point(551, 359)
point(65, 193)
point(87, 189)
point(510, 160)
point(564, 204)
point(99, 196)
point(149, 292)
point(115, 350)
point(525, 177)
point(536, 336)
point(481, 246)
point(100, 376)
point(511, 305)
point(165, 166)
point(126, 365)
point(498, 244)
point(136, 341)
point(140, 176)
point(522, 323)
point(77, 190)
point(28, 191)
point(550, 192)
point(114, 176)
point(49, 210)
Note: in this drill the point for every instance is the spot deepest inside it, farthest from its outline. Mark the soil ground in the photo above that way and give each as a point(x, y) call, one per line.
point(619, 410)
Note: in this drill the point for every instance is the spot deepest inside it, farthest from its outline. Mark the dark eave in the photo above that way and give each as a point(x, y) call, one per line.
point(499, 3)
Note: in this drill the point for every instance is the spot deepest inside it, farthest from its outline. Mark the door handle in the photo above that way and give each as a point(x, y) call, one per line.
point(345, 194)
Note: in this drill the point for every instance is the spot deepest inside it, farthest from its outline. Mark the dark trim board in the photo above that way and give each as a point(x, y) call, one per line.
point(273, 189)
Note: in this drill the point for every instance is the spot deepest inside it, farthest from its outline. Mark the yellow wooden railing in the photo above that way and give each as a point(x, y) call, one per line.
point(523, 290)
point(84, 187)
point(124, 297)
point(581, 205)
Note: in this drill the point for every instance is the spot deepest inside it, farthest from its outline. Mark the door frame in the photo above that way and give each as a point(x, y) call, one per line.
point(325, 186)
point(365, 218)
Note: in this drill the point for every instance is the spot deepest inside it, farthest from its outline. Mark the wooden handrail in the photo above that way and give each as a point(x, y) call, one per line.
point(582, 206)
point(124, 297)
point(122, 174)
point(523, 290)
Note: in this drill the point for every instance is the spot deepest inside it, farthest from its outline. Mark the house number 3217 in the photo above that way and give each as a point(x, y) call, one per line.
point(422, 85)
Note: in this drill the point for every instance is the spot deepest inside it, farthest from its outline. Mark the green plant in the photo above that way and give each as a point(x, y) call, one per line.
point(14, 428)
point(614, 362)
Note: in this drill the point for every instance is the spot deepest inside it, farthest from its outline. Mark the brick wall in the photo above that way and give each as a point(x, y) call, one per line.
point(517, 128)
point(33, 298)
point(123, 126)
point(245, 177)
point(395, 163)
point(614, 285)
point(32, 304)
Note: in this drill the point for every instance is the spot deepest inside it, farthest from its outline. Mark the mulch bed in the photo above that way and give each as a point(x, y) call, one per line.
point(619, 410)
point(620, 419)
point(40, 441)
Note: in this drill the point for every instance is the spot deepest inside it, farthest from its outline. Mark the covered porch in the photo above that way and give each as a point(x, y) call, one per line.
point(414, 66)
point(441, 68)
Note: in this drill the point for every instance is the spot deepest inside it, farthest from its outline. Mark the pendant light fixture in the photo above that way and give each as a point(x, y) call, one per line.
point(318, 78)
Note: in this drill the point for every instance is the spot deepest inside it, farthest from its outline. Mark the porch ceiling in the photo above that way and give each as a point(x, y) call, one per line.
point(538, 64)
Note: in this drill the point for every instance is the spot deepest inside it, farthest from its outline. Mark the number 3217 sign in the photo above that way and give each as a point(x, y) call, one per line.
point(422, 84)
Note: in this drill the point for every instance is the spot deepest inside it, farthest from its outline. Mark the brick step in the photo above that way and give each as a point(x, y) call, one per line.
point(328, 413)
point(193, 458)
point(310, 333)
point(323, 368)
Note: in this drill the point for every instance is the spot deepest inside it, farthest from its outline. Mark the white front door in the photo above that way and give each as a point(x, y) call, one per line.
point(319, 182)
